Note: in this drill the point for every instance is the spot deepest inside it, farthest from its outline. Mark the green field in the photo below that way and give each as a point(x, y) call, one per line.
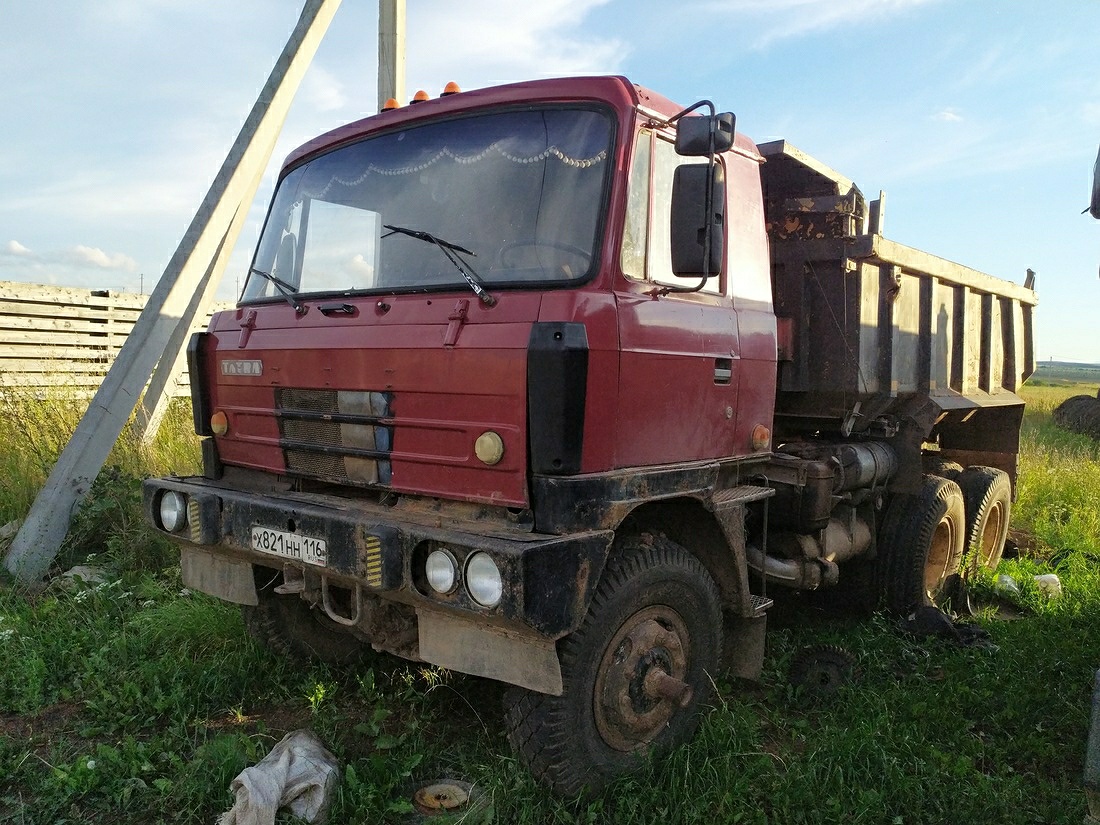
point(130, 701)
point(1084, 377)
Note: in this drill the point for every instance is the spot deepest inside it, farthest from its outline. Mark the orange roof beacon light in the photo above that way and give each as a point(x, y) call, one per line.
point(450, 89)
point(419, 97)
point(390, 105)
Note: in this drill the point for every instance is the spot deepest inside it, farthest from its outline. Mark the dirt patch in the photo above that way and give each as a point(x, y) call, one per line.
point(1021, 543)
point(41, 726)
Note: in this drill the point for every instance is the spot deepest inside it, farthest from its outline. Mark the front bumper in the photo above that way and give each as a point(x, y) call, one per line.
point(548, 581)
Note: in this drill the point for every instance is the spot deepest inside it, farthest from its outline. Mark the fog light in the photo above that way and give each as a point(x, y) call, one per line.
point(483, 580)
point(173, 511)
point(441, 570)
point(489, 447)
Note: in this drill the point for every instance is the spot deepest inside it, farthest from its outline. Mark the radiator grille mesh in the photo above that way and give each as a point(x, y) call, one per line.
point(334, 450)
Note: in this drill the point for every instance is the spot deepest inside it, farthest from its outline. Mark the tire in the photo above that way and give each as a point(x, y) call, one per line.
point(289, 626)
point(934, 465)
point(920, 546)
point(987, 493)
point(656, 610)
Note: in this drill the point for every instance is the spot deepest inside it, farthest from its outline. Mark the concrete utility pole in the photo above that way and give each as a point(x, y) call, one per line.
point(154, 402)
point(391, 51)
point(198, 260)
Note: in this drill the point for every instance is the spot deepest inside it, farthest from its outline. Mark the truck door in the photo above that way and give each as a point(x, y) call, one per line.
point(679, 352)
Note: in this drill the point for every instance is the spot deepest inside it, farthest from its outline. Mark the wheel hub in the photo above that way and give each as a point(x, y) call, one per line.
point(640, 683)
point(991, 534)
point(938, 565)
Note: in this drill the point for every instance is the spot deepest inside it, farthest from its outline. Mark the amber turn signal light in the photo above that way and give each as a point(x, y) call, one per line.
point(761, 437)
point(219, 423)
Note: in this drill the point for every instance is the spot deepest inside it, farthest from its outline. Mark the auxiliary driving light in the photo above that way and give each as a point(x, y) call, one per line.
point(489, 447)
point(441, 570)
point(483, 580)
point(173, 511)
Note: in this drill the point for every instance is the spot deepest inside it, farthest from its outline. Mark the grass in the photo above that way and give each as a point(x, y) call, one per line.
point(129, 700)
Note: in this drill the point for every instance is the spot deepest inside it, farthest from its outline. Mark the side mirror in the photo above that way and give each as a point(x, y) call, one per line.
point(1094, 207)
point(693, 134)
point(690, 222)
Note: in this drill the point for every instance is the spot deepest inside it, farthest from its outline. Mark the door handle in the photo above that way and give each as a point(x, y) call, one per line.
point(723, 371)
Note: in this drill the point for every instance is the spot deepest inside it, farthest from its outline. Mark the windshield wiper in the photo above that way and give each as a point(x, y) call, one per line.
point(285, 289)
point(449, 251)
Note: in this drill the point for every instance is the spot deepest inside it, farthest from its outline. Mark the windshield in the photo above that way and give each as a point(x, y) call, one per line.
point(502, 199)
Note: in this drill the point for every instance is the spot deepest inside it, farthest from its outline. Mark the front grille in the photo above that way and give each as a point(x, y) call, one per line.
point(322, 433)
point(336, 435)
point(320, 401)
point(318, 465)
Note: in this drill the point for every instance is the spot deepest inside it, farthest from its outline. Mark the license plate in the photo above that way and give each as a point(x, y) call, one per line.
point(290, 545)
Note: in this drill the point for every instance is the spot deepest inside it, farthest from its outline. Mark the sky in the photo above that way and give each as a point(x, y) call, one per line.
point(979, 118)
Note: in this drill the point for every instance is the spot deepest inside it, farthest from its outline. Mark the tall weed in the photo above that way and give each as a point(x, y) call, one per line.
point(1058, 490)
point(36, 427)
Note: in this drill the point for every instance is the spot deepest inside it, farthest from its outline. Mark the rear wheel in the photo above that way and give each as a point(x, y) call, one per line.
point(936, 466)
point(635, 673)
point(920, 546)
point(987, 492)
point(289, 626)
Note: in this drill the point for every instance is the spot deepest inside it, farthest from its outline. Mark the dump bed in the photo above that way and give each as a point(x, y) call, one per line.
point(874, 333)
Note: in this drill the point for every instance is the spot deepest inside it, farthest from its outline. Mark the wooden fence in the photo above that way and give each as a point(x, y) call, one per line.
point(65, 337)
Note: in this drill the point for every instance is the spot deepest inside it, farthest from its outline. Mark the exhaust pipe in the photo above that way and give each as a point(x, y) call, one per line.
point(800, 574)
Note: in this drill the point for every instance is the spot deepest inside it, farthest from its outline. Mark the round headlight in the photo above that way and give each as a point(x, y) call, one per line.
point(483, 580)
point(173, 511)
point(441, 570)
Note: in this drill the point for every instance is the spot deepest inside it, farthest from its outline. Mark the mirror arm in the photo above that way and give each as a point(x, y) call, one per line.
point(708, 203)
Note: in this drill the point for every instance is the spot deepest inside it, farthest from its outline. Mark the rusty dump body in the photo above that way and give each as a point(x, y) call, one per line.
point(481, 349)
point(872, 331)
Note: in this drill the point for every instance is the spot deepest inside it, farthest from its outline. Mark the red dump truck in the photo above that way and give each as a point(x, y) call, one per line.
point(549, 382)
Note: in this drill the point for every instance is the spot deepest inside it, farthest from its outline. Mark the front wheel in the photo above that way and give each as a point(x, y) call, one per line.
point(635, 673)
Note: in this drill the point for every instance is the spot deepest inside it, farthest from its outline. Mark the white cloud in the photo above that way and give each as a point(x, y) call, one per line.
point(496, 41)
point(948, 115)
point(16, 248)
point(99, 258)
point(361, 266)
point(323, 90)
point(78, 266)
point(775, 20)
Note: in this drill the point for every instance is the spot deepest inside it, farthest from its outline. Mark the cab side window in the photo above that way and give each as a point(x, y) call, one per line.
point(646, 251)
